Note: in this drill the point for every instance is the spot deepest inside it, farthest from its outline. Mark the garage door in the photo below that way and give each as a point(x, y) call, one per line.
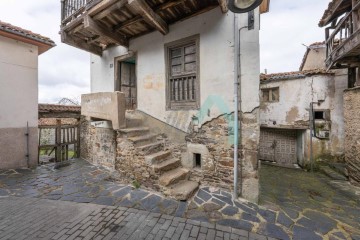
point(278, 145)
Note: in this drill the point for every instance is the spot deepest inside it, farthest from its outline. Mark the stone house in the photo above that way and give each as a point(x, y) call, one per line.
point(285, 109)
point(342, 40)
point(19, 53)
point(162, 75)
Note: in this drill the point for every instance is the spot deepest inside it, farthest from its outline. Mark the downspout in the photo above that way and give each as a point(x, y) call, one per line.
point(237, 108)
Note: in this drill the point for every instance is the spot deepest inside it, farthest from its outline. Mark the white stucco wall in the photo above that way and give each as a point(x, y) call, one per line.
point(292, 110)
point(216, 66)
point(18, 103)
point(18, 84)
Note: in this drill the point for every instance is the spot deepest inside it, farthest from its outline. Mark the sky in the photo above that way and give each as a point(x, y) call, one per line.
point(64, 71)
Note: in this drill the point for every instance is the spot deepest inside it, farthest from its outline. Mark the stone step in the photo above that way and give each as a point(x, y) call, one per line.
point(173, 176)
point(151, 148)
point(157, 157)
point(167, 165)
point(143, 140)
point(183, 190)
point(134, 132)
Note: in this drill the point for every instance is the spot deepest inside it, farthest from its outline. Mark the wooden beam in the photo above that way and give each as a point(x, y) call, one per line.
point(98, 28)
point(152, 18)
point(100, 6)
point(159, 9)
point(79, 43)
point(223, 6)
point(108, 10)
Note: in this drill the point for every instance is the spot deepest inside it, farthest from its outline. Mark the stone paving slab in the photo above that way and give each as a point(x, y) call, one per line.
point(284, 215)
point(31, 218)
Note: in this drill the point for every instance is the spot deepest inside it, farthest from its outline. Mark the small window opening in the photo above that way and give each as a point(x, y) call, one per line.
point(197, 158)
point(319, 115)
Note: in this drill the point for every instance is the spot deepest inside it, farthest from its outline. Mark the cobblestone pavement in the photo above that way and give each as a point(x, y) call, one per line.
point(31, 218)
point(296, 205)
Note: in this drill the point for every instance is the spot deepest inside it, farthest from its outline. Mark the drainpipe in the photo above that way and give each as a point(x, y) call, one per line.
point(27, 145)
point(237, 108)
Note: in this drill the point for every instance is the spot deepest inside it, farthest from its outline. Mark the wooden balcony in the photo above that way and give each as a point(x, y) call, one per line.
point(95, 25)
point(343, 40)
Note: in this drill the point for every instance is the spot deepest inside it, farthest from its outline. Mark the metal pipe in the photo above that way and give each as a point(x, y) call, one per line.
point(237, 108)
point(27, 145)
point(311, 136)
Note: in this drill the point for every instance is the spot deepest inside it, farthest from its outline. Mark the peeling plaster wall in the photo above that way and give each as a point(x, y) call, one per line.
point(216, 80)
point(19, 102)
point(216, 66)
point(292, 110)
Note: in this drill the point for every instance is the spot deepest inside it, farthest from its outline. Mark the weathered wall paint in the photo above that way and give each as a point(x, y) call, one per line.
point(19, 102)
point(292, 110)
point(216, 79)
point(216, 66)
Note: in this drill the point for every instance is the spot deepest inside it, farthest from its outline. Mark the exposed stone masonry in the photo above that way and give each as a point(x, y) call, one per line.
point(352, 133)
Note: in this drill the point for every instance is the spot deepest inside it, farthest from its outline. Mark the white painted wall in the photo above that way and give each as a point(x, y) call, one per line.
point(216, 66)
point(292, 110)
point(18, 84)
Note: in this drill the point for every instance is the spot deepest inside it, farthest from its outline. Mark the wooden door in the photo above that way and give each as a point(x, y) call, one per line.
point(278, 145)
point(128, 84)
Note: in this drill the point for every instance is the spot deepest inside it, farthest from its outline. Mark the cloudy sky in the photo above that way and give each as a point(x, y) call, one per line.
point(64, 71)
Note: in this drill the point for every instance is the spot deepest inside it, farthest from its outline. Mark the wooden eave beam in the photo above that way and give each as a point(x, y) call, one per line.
point(79, 43)
point(108, 10)
point(100, 29)
point(102, 5)
point(152, 18)
point(223, 6)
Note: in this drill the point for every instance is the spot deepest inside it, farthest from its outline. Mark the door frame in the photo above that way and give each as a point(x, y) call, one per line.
point(117, 62)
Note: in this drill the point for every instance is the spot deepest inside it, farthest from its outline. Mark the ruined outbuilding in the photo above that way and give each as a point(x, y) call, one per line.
point(285, 109)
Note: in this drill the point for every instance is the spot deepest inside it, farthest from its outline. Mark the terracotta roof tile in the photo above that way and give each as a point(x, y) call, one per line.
point(7, 27)
point(58, 108)
point(292, 75)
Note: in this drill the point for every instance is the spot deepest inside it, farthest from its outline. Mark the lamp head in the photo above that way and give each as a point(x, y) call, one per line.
point(243, 6)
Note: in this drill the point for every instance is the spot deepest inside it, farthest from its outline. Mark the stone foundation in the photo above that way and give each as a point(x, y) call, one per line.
point(97, 145)
point(214, 141)
point(352, 133)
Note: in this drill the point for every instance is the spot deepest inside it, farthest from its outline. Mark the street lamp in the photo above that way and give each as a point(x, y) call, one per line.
point(243, 6)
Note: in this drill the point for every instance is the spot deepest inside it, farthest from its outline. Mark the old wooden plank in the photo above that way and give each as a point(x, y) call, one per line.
point(152, 18)
point(79, 43)
point(223, 6)
point(98, 28)
point(108, 10)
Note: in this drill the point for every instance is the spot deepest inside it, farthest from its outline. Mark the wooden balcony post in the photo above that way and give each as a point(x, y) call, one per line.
point(355, 16)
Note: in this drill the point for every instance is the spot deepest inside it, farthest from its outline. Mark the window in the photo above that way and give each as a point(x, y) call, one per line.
point(197, 158)
point(322, 115)
point(182, 64)
point(270, 94)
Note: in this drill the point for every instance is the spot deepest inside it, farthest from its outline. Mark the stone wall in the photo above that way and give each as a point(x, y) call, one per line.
point(97, 145)
point(217, 162)
point(352, 133)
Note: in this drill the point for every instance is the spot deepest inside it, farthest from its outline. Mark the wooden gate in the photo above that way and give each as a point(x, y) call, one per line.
point(64, 139)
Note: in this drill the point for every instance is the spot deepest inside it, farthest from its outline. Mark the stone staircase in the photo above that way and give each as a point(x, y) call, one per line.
point(173, 179)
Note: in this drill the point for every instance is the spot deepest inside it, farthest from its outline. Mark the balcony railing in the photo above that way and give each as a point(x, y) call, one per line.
point(338, 35)
point(71, 9)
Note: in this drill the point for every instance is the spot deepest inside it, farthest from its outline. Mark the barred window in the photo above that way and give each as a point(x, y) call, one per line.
point(182, 65)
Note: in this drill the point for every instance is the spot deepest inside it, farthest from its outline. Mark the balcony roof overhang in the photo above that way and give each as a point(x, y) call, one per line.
point(105, 23)
point(335, 9)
